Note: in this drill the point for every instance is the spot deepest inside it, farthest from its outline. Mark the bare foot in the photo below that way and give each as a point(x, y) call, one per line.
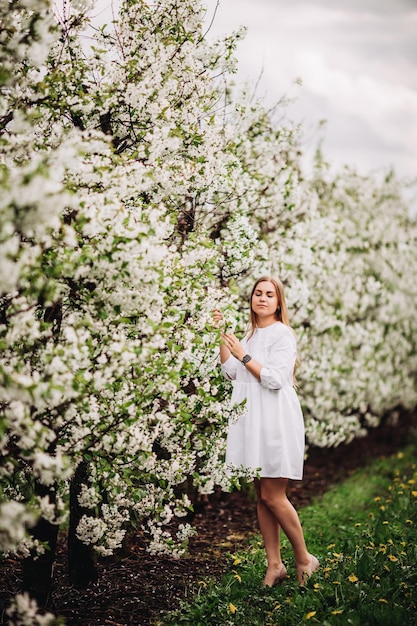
point(274, 574)
point(304, 572)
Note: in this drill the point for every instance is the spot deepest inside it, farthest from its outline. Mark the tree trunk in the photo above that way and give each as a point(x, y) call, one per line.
point(37, 571)
point(81, 561)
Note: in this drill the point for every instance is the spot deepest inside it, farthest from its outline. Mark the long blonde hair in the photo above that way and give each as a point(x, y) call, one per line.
point(281, 313)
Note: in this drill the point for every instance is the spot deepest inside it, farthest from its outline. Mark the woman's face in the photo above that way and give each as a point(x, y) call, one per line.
point(265, 300)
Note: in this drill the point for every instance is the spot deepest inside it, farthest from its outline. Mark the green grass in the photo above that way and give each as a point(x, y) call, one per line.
point(365, 534)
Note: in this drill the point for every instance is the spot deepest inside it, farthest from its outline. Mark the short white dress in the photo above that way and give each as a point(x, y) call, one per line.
point(269, 435)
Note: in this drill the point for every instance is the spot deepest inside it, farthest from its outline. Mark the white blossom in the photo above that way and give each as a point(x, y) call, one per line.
point(15, 519)
point(23, 611)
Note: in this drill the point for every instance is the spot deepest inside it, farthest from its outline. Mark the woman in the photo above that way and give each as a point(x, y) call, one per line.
point(269, 436)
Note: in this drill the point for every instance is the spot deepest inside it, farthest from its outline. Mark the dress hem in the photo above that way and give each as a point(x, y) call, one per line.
point(280, 476)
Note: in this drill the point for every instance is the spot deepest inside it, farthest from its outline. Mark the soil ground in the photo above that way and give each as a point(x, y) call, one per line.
point(135, 588)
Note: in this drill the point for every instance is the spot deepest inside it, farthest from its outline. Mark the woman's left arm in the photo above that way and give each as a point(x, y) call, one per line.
point(274, 373)
point(278, 370)
point(238, 351)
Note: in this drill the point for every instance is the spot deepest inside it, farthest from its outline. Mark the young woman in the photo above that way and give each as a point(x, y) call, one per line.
point(269, 436)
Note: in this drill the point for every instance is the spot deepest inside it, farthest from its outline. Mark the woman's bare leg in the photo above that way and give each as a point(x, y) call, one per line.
point(270, 530)
point(273, 494)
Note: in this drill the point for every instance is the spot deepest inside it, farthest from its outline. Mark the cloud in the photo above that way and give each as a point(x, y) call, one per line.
point(385, 7)
point(378, 102)
point(356, 59)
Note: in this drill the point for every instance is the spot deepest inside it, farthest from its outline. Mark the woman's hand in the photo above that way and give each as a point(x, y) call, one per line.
point(229, 344)
point(217, 317)
point(233, 344)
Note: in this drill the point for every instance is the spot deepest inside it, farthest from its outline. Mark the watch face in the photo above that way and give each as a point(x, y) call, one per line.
point(246, 358)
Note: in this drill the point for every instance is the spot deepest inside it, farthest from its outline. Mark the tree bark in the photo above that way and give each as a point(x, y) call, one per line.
point(81, 562)
point(37, 571)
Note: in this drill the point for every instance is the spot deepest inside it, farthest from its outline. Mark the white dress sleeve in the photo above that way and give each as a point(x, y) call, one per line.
point(229, 367)
point(280, 360)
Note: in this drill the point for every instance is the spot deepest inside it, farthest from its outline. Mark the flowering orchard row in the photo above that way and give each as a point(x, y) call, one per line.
point(137, 192)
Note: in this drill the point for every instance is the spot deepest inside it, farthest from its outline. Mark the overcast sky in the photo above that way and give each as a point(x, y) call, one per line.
point(357, 62)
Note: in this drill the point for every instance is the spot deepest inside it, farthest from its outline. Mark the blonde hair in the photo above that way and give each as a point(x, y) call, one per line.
point(281, 313)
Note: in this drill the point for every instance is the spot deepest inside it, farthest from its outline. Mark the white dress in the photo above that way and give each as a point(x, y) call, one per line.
point(269, 435)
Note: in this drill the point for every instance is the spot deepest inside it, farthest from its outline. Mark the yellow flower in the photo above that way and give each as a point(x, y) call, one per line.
point(337, 611)
point(238, 578)
point(392, 558)
point(385, 523)
point(310, 615)
point(377, 499)
point(352, 578)
point(316, 585)
point(414, 494)
point(409, 521)
point(383, 600)
point(236, 561)
point(201, 582)
point(232, 608)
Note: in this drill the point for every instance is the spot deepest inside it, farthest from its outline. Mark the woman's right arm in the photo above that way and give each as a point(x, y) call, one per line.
point(224, 353)
point(224, 350)
point(228, 361)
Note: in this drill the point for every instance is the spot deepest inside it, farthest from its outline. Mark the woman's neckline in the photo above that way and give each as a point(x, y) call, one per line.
point(269, 325)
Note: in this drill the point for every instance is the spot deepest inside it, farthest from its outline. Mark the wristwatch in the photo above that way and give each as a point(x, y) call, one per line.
point(246, 359)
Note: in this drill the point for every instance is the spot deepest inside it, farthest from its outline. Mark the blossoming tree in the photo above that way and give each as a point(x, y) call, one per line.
point(136, 194)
